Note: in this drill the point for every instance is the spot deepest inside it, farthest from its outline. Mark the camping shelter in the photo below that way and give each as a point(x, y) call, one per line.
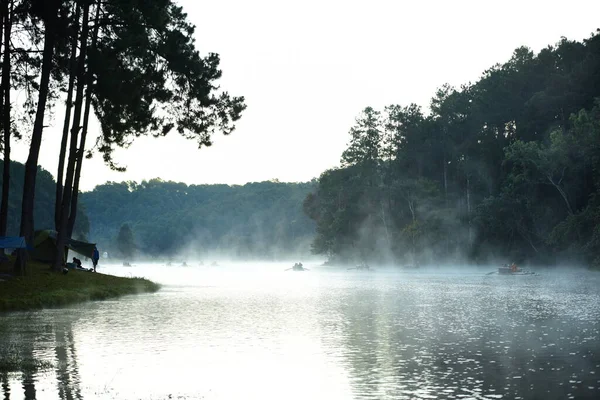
point(44, 246)
point(12, 242)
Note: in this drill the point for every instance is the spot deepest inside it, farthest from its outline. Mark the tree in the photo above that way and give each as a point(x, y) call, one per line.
point(255, 219)
point(47, 11)
point(518, 176)
point(44, 202)
point(536, 163)
point(125, 242)
point(6, 19)
point(365, 140)
point(16, 66)
point(144, 76)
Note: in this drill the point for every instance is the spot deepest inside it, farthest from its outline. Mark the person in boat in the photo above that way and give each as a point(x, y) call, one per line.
point(298, 267)
point(513, 267)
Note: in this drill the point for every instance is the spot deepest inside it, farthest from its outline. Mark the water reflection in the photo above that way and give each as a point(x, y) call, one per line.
point(5, 386)
point(428, 339)
point(28, 385)
point(44, 342)
point(67, 375)
point(257, 332)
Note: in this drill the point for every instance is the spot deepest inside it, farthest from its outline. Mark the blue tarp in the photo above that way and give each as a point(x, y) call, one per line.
point(12, 242)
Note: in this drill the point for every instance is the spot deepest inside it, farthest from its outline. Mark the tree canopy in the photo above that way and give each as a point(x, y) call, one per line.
point(263, 220)
point(134, 64)
point(505, 168)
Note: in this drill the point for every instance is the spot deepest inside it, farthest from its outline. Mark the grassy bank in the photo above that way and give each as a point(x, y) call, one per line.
point(42, 288)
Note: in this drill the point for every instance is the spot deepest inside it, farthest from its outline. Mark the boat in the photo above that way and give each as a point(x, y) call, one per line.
point(298, 267)
point(362, 267)
point(513, 270)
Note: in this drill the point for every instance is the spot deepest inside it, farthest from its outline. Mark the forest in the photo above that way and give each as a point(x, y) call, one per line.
point(170, 220)
point(157, 219)
point(506, 169)
point(44, 202)
point(503, 169)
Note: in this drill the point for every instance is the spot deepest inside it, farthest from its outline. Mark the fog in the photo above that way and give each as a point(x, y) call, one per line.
point(441, 331)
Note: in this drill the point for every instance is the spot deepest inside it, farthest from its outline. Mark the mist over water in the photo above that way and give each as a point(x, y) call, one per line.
point(256, 331)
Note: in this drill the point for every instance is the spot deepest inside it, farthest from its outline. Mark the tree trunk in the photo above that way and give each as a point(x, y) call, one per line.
point(385, 224)
point(447, 239)
point(1, 36)
point(89, 80)
point(61, 236)
point(562, 193)
point(31, 166)
point(469, 209)
point(65, 134)
point(5, 107)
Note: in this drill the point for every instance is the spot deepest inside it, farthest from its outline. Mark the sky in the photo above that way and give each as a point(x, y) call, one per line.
point(307, 68)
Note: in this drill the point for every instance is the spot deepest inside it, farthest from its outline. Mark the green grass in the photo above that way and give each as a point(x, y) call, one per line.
point(42, 288)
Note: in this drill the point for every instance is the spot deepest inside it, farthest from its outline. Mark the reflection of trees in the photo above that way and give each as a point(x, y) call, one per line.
point(5, 387)
point(444, 342)
point(20, 358)
point(28, 370)
point(67, 373)
point(362, 337)
point(28, 379)
point(24, 340)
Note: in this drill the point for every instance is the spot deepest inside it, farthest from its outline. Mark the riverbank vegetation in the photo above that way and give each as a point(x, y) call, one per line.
point(503, 169)
point(257, 220)
point(43, 288)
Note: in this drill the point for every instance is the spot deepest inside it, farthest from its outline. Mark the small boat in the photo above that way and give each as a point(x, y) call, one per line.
point(513, 270)
point(298, 267)
point(362, 267)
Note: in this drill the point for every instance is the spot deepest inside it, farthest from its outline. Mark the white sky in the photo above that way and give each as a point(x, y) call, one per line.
point(307, 68)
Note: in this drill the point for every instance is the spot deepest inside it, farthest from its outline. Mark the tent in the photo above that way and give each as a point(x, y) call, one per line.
point(12, 242)
point(44, 246)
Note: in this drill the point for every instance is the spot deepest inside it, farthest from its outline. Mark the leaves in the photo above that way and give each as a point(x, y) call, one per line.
point(500, 167)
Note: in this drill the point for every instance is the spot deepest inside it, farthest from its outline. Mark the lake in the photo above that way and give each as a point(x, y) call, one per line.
point(255, 331)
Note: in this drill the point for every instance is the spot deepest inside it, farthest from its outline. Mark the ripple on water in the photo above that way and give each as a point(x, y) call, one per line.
point(272, 335)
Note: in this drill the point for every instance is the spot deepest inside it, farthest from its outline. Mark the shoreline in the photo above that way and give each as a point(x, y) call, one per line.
point(42, 288)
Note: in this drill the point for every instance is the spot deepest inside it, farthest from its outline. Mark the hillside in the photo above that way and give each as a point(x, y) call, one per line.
point(45, 190)
point(257, 220)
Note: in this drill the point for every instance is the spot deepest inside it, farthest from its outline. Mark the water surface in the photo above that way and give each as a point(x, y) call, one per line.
point(255, 331)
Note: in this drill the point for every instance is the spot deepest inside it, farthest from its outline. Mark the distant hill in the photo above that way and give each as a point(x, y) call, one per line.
point(45, 190)
point(257, 220)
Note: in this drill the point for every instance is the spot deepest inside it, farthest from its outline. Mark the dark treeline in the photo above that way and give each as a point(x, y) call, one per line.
point(167, 219)
point(132, 65)
point(44, 202)
point(504, 169)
